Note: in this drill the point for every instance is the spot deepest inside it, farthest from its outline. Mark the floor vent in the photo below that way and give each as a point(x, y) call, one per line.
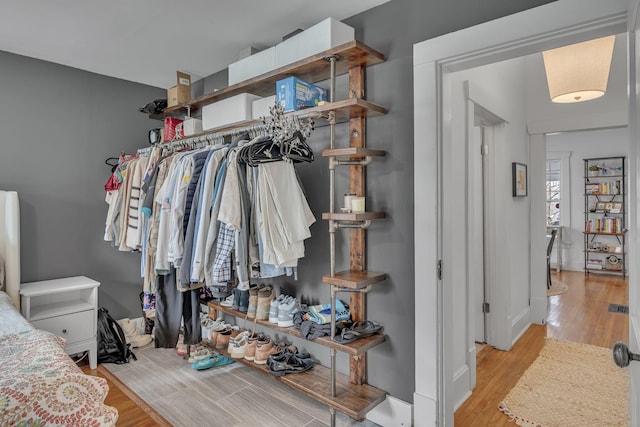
point(617, 308)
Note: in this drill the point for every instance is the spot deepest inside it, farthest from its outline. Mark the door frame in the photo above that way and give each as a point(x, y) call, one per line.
point(552, 25)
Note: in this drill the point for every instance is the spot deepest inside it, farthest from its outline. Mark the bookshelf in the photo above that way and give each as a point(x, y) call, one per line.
point(605, 215)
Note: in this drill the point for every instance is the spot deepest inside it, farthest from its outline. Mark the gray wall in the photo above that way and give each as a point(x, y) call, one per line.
point(392, 29)
point(59, 124)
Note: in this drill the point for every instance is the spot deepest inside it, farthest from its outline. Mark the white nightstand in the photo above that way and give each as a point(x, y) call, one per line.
point(67, 307)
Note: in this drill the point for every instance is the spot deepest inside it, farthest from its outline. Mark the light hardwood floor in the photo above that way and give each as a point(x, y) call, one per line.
point(580, 315)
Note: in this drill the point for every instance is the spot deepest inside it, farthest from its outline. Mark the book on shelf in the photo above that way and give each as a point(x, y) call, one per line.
point(594, 264)
point(613, 187)
point(603, 225)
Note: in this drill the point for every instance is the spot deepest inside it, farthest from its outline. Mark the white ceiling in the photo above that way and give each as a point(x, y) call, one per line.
point(146, 41)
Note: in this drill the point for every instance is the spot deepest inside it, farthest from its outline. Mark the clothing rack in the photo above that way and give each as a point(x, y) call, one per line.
point(254, 130)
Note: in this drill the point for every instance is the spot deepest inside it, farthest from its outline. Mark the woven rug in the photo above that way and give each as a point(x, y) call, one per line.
point(557, 288)
point(570, 384)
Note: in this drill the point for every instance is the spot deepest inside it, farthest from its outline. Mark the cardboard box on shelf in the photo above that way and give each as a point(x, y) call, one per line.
point(320, 37)
point(181, 92)
point(231, 110)
point(295, 94)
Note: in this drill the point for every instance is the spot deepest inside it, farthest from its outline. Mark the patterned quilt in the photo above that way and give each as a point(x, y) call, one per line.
point(40, 385)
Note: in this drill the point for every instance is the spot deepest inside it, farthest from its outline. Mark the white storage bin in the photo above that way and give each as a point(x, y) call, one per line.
point(322, 36)
point(252, 66)
point(261, 106)
point(228, 111)
point(191, 126)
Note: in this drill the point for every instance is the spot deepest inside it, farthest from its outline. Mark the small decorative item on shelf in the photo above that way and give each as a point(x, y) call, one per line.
point(594, 170)
point(613, 263)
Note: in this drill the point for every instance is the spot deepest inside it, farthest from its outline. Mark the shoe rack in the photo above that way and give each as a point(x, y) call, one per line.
point(349, 394)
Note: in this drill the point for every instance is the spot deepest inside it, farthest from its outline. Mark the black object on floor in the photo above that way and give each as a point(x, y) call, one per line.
point(617, 308)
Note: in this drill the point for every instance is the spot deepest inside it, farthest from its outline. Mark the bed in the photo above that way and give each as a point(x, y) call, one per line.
point(39, 383)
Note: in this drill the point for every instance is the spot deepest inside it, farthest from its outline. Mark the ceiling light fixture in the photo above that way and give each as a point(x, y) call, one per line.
point(579, 72)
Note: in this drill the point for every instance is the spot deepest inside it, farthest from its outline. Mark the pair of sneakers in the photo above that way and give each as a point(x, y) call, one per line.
point(260, 296)
point(281, 310)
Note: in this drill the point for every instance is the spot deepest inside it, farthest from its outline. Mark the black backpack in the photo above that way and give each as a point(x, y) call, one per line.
point(112, 346)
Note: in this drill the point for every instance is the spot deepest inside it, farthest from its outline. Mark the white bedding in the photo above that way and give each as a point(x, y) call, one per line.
point(11, 321)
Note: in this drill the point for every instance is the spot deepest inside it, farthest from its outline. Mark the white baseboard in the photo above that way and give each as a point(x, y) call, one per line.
point(538, 313)
point(425, 411)
point(520, 324)
point(392, 412)
point(461, 384)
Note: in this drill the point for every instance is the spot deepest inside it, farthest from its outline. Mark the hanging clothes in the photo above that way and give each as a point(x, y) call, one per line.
point(213, 216)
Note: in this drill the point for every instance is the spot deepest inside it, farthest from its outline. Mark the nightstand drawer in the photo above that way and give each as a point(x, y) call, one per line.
point(72, 327)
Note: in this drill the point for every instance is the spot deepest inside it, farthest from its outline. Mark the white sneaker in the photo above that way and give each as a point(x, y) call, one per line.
point(284, 309)
point(227, 302)
point(273, 309)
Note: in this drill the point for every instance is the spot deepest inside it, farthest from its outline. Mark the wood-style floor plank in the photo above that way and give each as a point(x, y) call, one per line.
point(579, 315)
point(132, 411)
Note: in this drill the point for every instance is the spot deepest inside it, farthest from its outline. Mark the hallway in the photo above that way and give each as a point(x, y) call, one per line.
point(581, 315)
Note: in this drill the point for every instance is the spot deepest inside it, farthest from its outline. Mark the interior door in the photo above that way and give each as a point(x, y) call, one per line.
point(634, 212)
point(477, 251)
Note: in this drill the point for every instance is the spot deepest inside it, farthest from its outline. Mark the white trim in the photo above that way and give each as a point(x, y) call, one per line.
point(565, 185)
point(537, 231)
point(425, 410)
point(551, 25)
point(608, 119)
point(392, 412)
point(520, 324)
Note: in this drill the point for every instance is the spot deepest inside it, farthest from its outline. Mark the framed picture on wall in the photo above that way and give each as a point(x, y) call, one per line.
point(519, 179)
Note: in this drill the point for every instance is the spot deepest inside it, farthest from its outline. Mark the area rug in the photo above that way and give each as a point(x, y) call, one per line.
point(557, 288)
point(570, 384)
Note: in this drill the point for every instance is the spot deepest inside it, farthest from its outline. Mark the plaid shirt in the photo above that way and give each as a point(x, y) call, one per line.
point(225, 244)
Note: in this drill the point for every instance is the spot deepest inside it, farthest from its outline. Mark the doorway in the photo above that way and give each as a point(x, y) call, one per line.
point(558, 23)
point(483, 136)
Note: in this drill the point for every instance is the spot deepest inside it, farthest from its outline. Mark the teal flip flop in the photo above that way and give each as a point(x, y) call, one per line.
point(211, 362)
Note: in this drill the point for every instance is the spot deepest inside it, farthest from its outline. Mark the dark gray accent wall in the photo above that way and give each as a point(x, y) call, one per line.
point(392, 28)
point(59, 124)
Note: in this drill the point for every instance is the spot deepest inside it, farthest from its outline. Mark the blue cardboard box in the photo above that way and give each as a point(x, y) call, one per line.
point(295, 94)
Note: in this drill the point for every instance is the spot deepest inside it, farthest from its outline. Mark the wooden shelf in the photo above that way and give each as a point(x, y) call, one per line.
point(606, 234)
point(604, 270)
point(361, 216)
point(606, 253)
point(356, 348)
point(345, 110)
point(353, 152)
point(354, 279)
point(603, 176)
point(351, 399)
point(312, 69)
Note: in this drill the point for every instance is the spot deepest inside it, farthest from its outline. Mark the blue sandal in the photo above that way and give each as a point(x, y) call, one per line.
point(211, 362)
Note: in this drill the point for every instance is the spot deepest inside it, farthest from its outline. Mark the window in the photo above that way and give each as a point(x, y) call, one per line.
point(553, 192)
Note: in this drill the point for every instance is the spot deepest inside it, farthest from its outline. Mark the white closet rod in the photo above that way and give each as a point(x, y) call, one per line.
point(210, 137)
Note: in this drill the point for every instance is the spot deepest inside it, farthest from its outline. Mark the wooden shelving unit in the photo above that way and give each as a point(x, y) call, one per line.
point(347, 394)
point(353, 400)
point(356, 348)
point(354, 279)
point(312, 69)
